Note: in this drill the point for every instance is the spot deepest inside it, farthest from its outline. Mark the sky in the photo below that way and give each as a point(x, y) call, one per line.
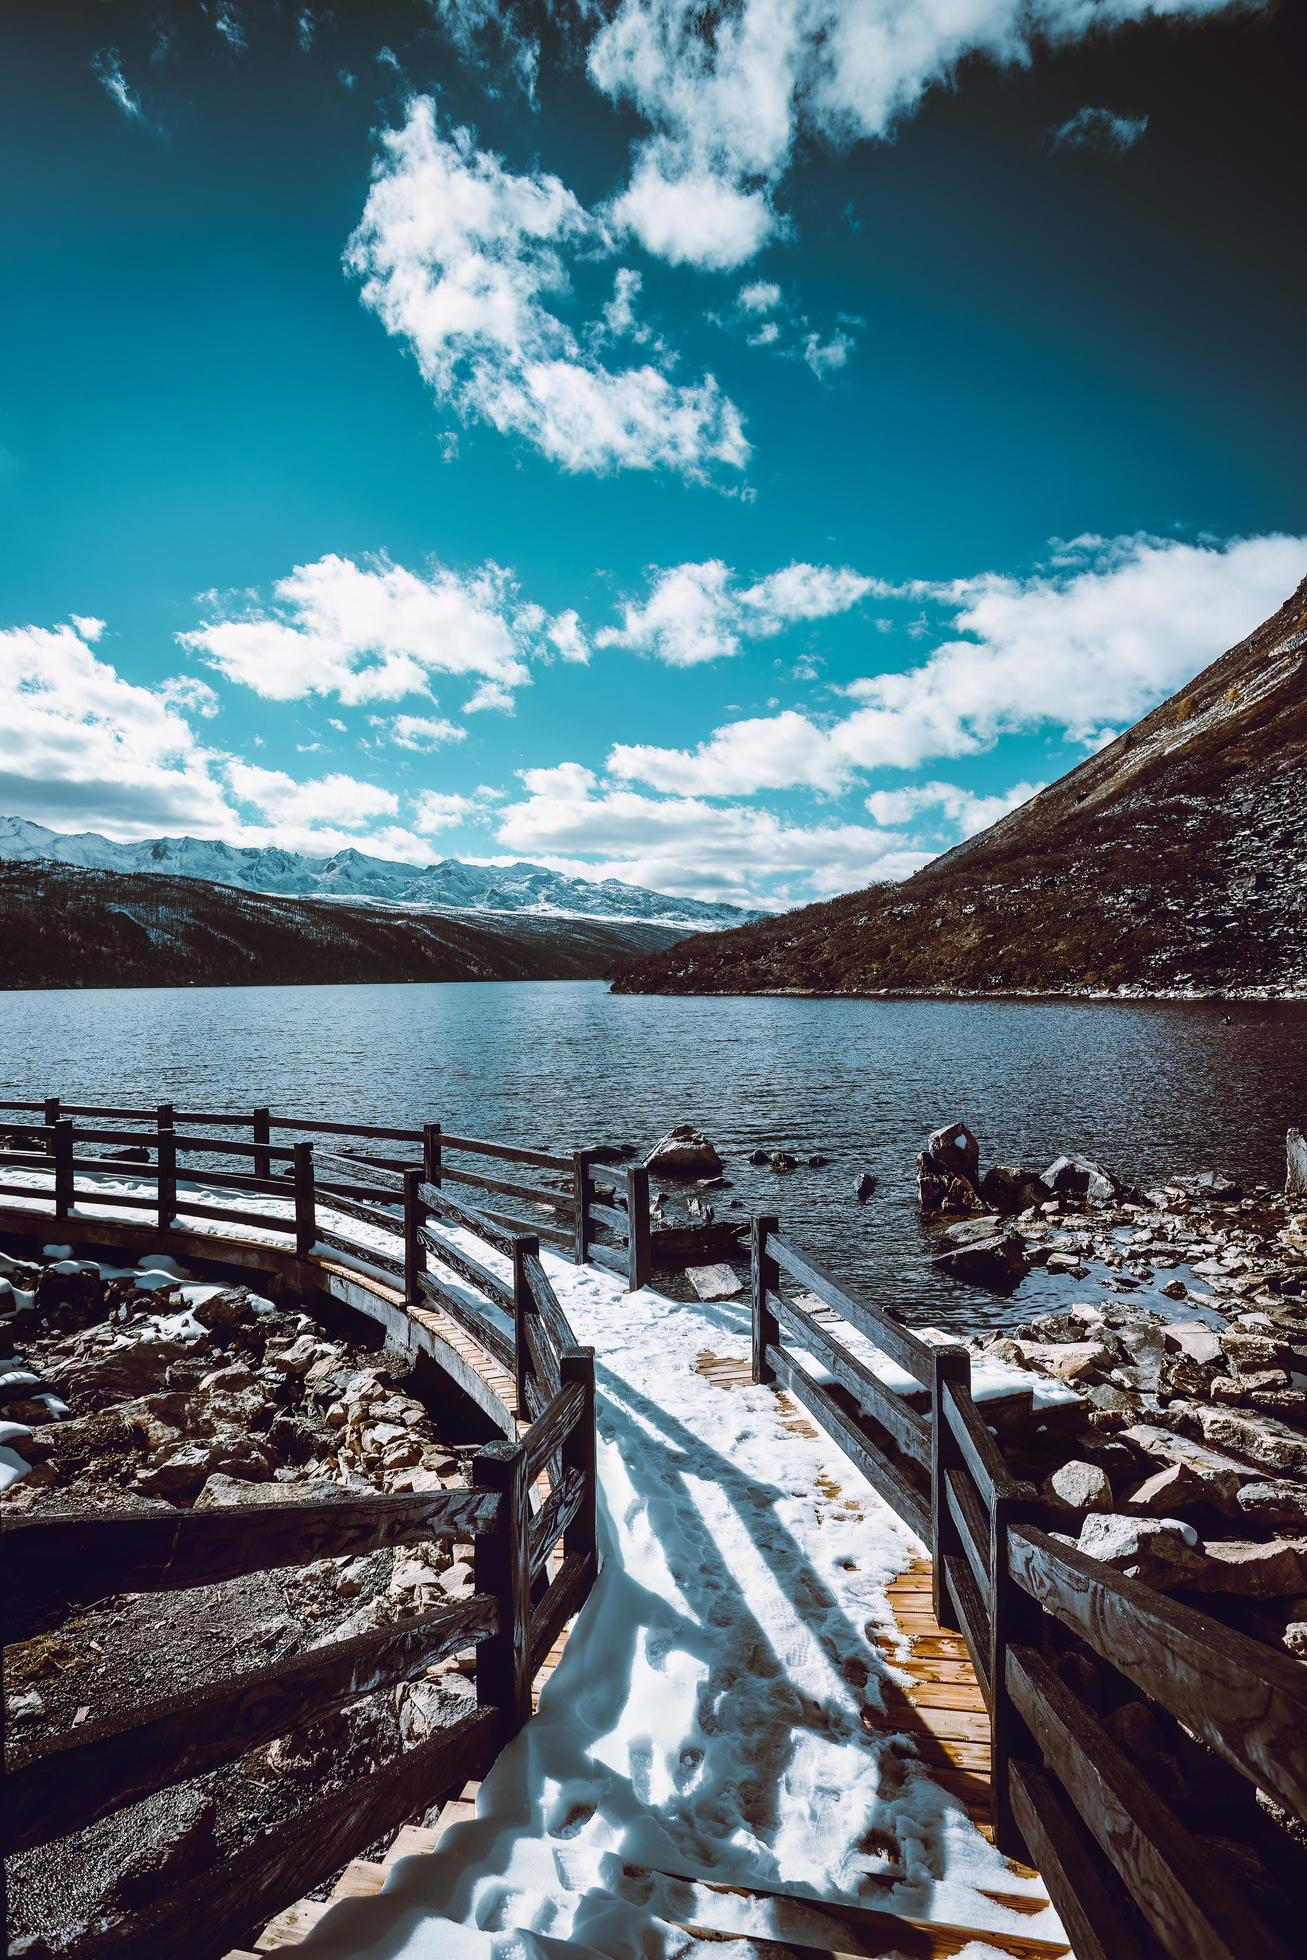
point(742, 455)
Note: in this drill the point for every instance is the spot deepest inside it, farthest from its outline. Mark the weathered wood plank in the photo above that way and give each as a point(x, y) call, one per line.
point(503, 1569)
point(544, 1356)
point(107, 1764)
point(553, 1518)
point(497, 1343)
point(434, 1197)
point(979, 1451)
point(547, 1160)
point(547, 1304)
point(1246, 1700)
point(608, 1215)
point(205, 1912)
point(86, 1555)
point(1101, 1921)
point(608, 1257)
point(550, 1429)
point(538, 1194)
point(1195, 1904)
point(973, 1617)
point(910, 1431)
point(467, 1268)
point(883, 1476)
point(890, 1336)
point(566, 1596)
point(972, 1523)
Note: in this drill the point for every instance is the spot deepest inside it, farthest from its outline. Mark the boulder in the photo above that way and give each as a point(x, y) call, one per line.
point(1008, 1190)
point(1277, 1570)
point(985, 1257)
point(684, 1152)
point(1295, 1168)
point(1167, 1491)
point(1160, 1551)
point(865, 1186)
point(1081, 1178)
point(1275, 1503)
point(816, 1161)
point(955, 1152)
point(714, 1282)
point(1191, 1337)
point(1270, 1444)
point(784, 1160)
point(1067, 1361)
point(1083, 1486)
point(1216, 1478)
point(758, 1156)
point(1212, 1186)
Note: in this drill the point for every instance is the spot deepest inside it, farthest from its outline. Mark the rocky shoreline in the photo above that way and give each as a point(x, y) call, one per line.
point(187, 1395)
point(1183, 1460)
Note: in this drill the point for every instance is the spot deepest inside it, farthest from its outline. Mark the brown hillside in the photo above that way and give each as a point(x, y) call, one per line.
point(1175, 859)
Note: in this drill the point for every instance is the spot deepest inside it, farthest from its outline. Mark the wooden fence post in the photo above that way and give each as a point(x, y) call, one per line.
point(167, 1177)
point(306, 1216)
point(63, 1166)
point(414, 1261)
point(526, 1245)
point(577, 1364)
point(262, 1132)
point(953, 1365)
point(51, 1114)
point(431, 1154)
point(581, 1195)
point(1013, 1617)
point(503, 1569)
point(639, 1248)
point(766, 1279)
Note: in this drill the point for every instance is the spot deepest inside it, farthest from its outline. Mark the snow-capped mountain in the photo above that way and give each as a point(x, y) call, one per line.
point(448, 885)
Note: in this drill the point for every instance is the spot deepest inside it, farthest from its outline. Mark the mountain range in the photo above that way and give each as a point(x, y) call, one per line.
point(1174, 861)
point(448, 885)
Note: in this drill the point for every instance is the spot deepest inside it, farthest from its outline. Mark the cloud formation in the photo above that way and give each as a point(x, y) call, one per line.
point(466, 262)
point(699, 612)
point(1099, 129)
point(378, 632)
point(1090, 642)
point(107, 68)
point(962, 809)
point(687, 846)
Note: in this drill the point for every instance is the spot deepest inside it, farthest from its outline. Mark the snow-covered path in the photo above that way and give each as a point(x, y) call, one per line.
point(722, 1707)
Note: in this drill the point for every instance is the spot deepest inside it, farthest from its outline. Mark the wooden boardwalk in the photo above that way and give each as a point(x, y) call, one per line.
point(941, 1709)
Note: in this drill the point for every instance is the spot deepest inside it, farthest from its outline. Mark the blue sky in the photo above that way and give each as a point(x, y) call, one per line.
point(739, 467)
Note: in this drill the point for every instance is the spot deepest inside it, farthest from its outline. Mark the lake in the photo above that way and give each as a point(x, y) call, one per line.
point(1148, 1087)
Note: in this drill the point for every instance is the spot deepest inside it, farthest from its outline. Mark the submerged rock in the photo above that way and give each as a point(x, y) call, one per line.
point(982, 1256)
point(1080, 1177)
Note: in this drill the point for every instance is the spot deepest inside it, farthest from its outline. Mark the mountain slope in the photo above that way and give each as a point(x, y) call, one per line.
point(64, 927)
point(1175, 859)
point(448, 885)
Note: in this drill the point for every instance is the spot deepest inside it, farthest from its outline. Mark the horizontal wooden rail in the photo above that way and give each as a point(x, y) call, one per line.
point(1100, 1919)
point(467, 1268)
point(543, 1159)
point(910, 1431)
point(553, 1518)
point(980, 1452)
point(890, 1482)
point(99, 1769)
point(969, 1515)
point(495, 1342)
point(87, 1555)
point(454, 1212)
point(539, 1194)
point(890, 1336)
point(550, 1430)
point(202, 1915)
point(609, 1215)
point(1246, 1700)
point(565, 1597)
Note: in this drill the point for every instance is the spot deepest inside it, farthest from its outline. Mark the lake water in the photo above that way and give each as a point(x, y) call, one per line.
point(1149, 1088)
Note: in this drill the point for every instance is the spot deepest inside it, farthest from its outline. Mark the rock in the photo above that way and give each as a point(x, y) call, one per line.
point(684, 1152)
point(1010, 1191)
point(1192, 1337)
point(784, 1160)
point(757, 1156)
point(1295, 1170)
point(1175, 1289)
point(1081, 1178)
point(714, 1282)
point(1217, 1479)
point(459, 1579)
point(1270, 1444)
point(955, 1151)
point(353, 1577)
point(1083, 1486)
point(135, 1153)
point(1067, 1361)
point(865, 1186)
point(1213, 1186)
point(1275, 1503)
point(816, 1160)
point(1295, 1638)
point(994, 1259)
point(1255, 1571)
point(1167, 1491)
point(421, 1707)
point(25, 1707)
point(1247, 1389)
point(1162, 1552)
point(182, 1474)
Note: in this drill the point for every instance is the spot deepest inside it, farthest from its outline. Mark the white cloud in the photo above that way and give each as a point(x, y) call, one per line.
point(693, 218)
point(190, 694)
point(376, 632)
point(465, 261)
point(826, 356)
point(423, 732)
point(1099, 638)
point(107, 68)
point(567, 636)
point(305, 28)
point(80, 747)
point(728, 91)
point(228, 23)
point(335, 799)
point(1098, 129)
point(435, 810)
point(966, 811)
point(490, 695)
point(760, 297)
point(88, 626)
point(698, 612)
point(689, 847)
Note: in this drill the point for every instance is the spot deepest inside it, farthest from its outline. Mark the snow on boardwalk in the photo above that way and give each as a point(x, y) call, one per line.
point(723, 1709)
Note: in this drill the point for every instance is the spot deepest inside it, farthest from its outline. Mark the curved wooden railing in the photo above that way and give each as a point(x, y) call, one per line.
point(1058, 1641)
point(530, 1496)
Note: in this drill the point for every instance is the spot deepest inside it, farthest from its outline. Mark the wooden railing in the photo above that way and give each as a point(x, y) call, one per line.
point(1059, 1641)
point(527, 1496)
